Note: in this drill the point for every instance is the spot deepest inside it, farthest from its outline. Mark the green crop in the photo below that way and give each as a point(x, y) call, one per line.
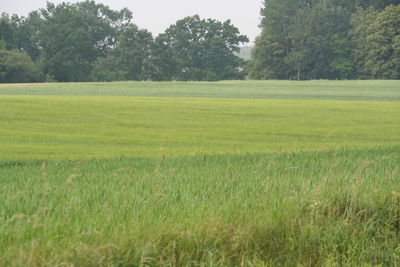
point(82, 127)
point(200, 174)
point(327, 90)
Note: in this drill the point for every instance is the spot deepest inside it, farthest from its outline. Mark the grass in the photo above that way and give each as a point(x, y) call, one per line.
point(82, 127)
point(324, 90)
point(278, 209)
point(93, 179)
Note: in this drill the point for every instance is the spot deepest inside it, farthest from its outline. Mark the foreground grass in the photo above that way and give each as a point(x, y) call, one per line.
point(312, 208)
point(83, 127)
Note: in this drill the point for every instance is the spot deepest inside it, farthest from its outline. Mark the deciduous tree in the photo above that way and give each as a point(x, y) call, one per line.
point(74, 35)
point(132, 53)
point(17, 66)
point(203, 49)
point(382, 45)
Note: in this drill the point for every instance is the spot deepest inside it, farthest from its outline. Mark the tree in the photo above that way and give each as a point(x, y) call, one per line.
point(74, 35)
point(202, 49)
point(17, 66)
point(382, 44)
point(132, 52)
point(28, 34)
point(329, 51)
point(273, 45)
point(303, 40)
point(375, 38)
point(282, 49)
point(296, 58)
point(104, 69)
point(2, 45)
point(8, 30)
point(342, 66)
point(377, 4)
point(129, 60)
point(164, 63)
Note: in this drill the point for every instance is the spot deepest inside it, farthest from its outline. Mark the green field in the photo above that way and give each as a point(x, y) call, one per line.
point(338, 90)
point(228, 173)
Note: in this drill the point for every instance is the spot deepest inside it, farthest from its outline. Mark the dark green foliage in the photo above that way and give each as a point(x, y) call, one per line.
point(341, 66)
point(326, 42)
point(376, 38)
point(17, 66)
point(74, 35)
point(87, 41)
point(327, 39)
point(164, 63)
point(129, 59)
point(203, 50)
point(377, 4)
point(360, 22)
point(104, 69)
point(8, 31)
point(300, 39)
point(132, 52)
point(273, 45)
point(383, 45)
point(65, 39)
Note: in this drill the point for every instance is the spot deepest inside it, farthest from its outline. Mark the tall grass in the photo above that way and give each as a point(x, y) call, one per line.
point(313, 208)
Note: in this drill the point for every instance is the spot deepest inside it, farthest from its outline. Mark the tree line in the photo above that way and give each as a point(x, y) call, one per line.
point(87, 41)
point(328, 39)
point(300, 39)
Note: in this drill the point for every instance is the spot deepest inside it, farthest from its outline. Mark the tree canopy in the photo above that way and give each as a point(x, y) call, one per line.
point(203, 49)
point(299, 39)
point(89, 41)
point(74, 35)
point(327, 39)
point(17, 67)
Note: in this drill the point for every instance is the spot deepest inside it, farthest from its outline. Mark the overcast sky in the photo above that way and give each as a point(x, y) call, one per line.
point(157, 15)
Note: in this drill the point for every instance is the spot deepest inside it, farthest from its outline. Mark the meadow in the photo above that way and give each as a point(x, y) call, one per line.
point(200, 174)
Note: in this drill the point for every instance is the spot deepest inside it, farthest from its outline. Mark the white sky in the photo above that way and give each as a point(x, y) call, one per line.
point(157, 15)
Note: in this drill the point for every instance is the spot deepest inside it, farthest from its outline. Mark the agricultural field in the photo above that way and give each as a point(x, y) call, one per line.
point(252, 173)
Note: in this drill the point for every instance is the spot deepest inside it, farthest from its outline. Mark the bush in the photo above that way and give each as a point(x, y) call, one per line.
point(18, 67)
